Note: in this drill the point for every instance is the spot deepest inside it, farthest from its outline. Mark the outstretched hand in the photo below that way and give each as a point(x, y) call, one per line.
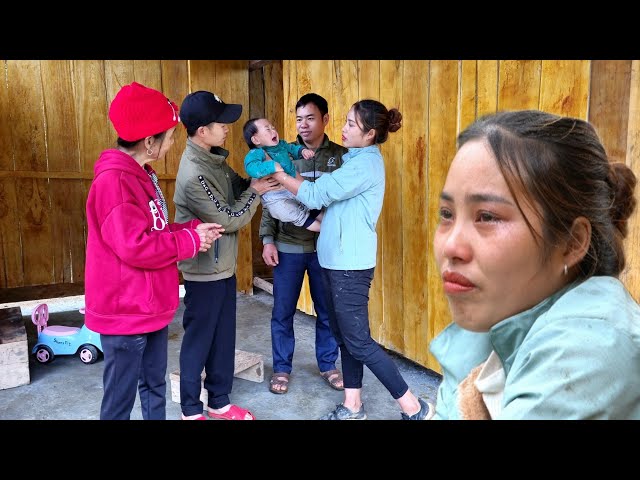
point(208, 233)
point(264, 184)
point(307, 153)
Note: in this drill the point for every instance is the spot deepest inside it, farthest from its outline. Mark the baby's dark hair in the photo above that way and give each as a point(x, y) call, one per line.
point(249, 130)
point(372, 114)
point(562, 167)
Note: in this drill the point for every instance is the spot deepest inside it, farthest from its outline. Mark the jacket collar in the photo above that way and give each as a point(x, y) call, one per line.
point(324, 144)
point(216, 155)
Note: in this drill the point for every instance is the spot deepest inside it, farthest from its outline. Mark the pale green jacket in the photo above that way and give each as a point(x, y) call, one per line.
point(575, 355)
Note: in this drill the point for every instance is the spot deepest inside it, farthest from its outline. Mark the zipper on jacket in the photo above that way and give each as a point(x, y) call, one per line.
point(215, 250)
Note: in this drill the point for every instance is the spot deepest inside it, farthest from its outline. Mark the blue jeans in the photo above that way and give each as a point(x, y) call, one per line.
point(348, 302)
point(135, 362)
point(287, 283)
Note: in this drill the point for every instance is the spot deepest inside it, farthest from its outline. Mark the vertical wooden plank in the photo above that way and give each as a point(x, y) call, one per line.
point(289, 96)
point(369, 87)
point(35, 222)
point(27, 128)
point(416, 247)
point(67, 228)
point(442, 147)
point(202, 75)
point(391, 331)
point(468, 85)
point(118, 73)
point(149, 74)
point(25, 95)
point(60, 116)
point(564, 87)
point(11, 266)
point(257, 94)
point(274, 100)
point(631, 275)
point(487, 89)
point(345, 94)
point(95, 132)
point(519, 82)
point(7, 152)
point(175, 85)
point(610, 86)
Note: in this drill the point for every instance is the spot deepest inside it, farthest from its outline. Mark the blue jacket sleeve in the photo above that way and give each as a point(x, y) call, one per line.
point(255, 166)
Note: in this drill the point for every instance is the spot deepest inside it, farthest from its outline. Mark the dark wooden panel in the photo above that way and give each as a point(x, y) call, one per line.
point(27, 121)
point(60, 113)
point(67, 227)
point(7, 152)
point(95, 132)
point(175, 84)
point(610, 86)
point(35, 228)
point(11, 265)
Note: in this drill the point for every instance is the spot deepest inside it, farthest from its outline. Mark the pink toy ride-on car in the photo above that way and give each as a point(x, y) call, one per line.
point(60, 340)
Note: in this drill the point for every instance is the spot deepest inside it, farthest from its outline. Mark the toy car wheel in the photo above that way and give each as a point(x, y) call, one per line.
point(88, 354)
point(44, 354)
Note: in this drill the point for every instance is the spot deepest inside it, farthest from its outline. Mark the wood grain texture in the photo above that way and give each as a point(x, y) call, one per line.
point(415, 185)
point(519, 84)
point(95, 132)
point(369, 87)
point(118, 73)
point(67, 227)
point(564, 87)
point(25, 97)
point(175, 85)
point(257, 94)
point(392, 220)
point(35, 230)
point(289, 95)
point(7, 152)
point(274, 100)
point(345, 94)
point(60, 116)
point(443, 95)
point(11, 265)
point(468, 96)
point(487, 89)
point(610, 85)
point(631, 275)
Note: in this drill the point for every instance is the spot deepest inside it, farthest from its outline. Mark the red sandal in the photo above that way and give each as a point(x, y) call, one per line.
point(234, 413)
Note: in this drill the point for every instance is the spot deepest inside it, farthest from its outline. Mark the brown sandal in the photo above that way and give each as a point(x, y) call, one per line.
point(281, 380)
point(333, 378)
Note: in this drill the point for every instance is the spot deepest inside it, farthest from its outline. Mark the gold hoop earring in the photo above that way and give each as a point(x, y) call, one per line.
point(566, 269)
point(149, 152)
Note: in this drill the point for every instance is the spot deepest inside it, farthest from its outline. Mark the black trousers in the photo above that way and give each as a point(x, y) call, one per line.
point(209, 343)
point(348, 305)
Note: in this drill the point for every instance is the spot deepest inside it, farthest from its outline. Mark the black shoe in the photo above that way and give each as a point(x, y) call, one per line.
point(343, 413)
point(426, 412)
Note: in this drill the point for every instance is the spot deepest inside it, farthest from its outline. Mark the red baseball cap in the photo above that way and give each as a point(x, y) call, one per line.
point(137, 112)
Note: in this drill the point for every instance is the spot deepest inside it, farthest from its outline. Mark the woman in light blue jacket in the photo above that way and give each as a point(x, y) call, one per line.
point(530, 247)
point(347, 246)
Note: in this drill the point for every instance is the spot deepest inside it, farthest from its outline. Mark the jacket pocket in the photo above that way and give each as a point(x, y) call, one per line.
point(149, 280)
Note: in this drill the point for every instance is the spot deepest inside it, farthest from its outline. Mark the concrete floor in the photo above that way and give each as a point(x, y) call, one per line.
point(67, 389)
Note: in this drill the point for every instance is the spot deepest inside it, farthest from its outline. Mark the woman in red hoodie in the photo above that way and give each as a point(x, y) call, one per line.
point(131, 277)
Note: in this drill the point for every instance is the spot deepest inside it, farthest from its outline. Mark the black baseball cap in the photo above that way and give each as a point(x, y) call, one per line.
point(201, 108)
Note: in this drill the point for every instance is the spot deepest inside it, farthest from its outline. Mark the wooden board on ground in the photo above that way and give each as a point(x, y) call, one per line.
point(14, 352)
point(248, 366)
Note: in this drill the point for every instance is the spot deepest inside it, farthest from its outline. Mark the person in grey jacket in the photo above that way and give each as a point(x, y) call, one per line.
point(208, 188)
point(347, 245)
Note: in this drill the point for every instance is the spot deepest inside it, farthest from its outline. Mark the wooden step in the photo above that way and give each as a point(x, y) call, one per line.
point(14, 351)
point(248, 366)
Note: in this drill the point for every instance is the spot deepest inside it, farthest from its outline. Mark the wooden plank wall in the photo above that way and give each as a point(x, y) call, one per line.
point(438, 99)
point(53, 126)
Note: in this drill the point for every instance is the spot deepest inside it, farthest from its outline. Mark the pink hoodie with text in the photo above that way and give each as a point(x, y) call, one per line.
point(131, 276)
